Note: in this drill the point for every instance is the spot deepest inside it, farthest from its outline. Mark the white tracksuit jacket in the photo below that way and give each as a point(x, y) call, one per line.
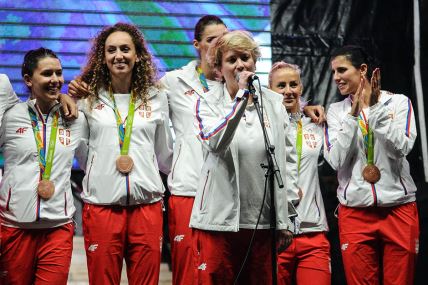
point(8, 97)
point(150, 149)
point(393, 124)
point(182, 87)
point(19, 203)
point(310, 210)
point(217, 205)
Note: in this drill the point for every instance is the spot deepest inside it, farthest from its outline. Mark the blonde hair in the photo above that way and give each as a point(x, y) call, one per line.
point(236, 40)
point(280, 65)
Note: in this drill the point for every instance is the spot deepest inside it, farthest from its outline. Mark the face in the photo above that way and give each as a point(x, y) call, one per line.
point(234, 62)
point(286, 81)
point(346, 76)
point(211, 32)
point(46, 81)
point(120, 54)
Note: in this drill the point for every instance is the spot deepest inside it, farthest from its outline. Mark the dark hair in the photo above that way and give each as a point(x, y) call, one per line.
point(97, 75)
point(357, 55)
point(32, 57)
point(206, 21)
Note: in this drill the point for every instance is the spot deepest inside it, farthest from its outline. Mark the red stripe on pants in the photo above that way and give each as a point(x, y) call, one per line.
point(180, 235)
point(113, 233)
point(306, 261)
point(379, 245)
point(36, 256)
point(220, 255)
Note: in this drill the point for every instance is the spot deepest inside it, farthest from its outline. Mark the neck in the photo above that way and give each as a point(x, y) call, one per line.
point(207, 70)
point(121, 85)
point(232, 89)
point(45, 107)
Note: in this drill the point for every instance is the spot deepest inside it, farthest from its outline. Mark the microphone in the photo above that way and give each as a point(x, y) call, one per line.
point(250, 78)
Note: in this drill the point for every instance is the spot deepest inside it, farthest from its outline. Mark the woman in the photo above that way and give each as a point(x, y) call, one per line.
point(368, 137)
point(182, 87)
point(129, 142)
point(35, 193)
point(308, 257)
point(231, 188)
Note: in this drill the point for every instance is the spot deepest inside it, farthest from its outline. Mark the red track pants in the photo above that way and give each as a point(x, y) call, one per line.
point(36, 256)
point(220, 255)
point(180, 235)
point(306, 261)
point(379, 245)
point(113, 233)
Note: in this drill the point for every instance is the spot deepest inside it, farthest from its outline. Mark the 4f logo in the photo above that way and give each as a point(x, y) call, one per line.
point(21, 130)
point(64, 136)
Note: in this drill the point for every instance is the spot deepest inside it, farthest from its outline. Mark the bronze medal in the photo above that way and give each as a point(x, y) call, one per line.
point(124, 164)
point(371, 173)
point(45, 189)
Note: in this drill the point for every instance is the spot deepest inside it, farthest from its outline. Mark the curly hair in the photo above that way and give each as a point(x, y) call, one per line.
point(97, 75)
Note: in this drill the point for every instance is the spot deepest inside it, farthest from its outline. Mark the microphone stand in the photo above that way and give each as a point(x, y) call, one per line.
point(272, 173)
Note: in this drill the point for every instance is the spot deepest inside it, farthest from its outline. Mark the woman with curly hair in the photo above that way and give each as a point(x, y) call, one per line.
point(129, 142)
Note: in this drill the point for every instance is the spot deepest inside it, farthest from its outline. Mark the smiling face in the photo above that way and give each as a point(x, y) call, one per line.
point(209, 35)
point(233, 62)
point(120, 54)
point(286, 81)
point(46, 82)
point(345, 75)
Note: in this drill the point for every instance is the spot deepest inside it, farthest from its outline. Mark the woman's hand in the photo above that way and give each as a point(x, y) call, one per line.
point(375, 83)
point(284, 239)
point(358, 99)
point(78, 89)
point(243, 78)
point(316, 113)
point(69, 107)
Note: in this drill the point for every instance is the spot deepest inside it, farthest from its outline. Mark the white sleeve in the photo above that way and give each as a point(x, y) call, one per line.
point(214, 130)
point(398, 132)
point(8, 97)
point(163, 138)
point(340, 139)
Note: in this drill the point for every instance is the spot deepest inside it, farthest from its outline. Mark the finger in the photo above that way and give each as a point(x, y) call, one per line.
point(65, 110)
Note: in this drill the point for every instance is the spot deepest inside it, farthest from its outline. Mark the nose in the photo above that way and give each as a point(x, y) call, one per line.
point(54, 77)
point(336, 76)
point(240, 64)
point(119, 54)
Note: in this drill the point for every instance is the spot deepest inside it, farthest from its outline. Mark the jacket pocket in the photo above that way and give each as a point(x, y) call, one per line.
point(9, 194)
point(175, 162)
point(91, 164)
point(203, 191)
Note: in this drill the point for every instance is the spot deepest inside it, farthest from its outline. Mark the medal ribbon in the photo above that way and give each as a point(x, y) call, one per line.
point(124, 131)
point(45, 163)
point(299, 143)
point(367, 136)
point(202, 79)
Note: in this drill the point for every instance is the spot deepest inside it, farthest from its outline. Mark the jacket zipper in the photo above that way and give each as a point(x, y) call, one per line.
point(203, 191)
point(173, 168)
point(8, 198)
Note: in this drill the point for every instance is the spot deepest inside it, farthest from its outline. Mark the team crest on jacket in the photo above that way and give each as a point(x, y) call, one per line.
point(64, 136)
point(189, 92)
point(100, 106)
point(145, 110)
point(310, 140)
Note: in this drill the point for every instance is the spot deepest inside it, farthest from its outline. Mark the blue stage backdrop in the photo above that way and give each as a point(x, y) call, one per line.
point(66, 27)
